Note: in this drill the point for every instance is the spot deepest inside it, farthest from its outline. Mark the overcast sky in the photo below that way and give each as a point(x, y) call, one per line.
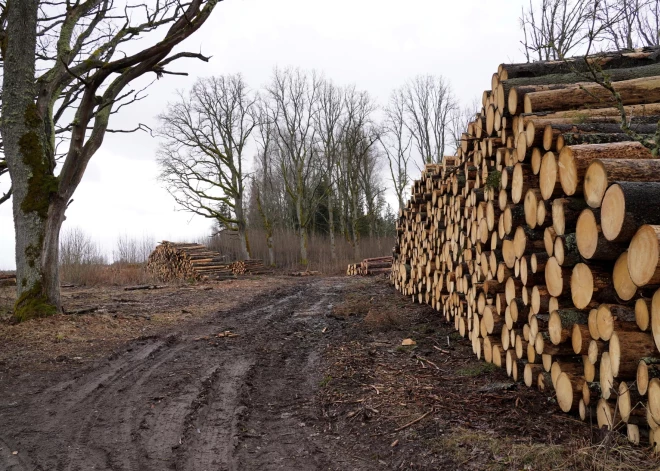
point(375, 44)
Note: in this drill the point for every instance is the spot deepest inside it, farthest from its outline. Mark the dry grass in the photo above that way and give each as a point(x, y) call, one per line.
point(352, 305)
point(473, 417)
point(99, 274)
point(287, 250)
point(117, 274)
point(482, 449)
point(382, 319)
point(119, 317)
point(377, 312)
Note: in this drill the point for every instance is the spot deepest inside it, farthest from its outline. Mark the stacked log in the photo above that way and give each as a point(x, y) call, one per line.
point(187, 261)
point(540, 240)
point(7, 280)
point(250, 267)
point(370, 266)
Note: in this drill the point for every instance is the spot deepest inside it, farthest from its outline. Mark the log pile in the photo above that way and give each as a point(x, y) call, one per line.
point(370, 266)
point(540, 240)
point(7, 280)
point(250, 267)
point(187, 261)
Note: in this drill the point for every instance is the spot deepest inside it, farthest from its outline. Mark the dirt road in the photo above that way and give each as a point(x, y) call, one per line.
point(188, 401)
point(316, 378)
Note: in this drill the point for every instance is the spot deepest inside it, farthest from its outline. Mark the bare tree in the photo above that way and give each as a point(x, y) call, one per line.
point(553, 29)
point(370, 179)
point(132, 250)
point(396, 141)
point(202, 156)
point(294, 96)
point(328, 123)
point(358, 136)
point(627, 24)
point(459, 120)
point(648, 23)
point(428, 103)
point(266, 190)
point(621, 23)
point(67, 68)
point(78, 248)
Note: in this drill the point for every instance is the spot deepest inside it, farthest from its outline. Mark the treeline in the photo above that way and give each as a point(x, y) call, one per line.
point(322, 158)
point(83, 261)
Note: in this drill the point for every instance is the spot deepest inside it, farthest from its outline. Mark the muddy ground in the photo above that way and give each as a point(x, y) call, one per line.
point(271, 373)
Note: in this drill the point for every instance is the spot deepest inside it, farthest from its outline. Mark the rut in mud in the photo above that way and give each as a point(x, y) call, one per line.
point(316, 379)
point(190, 400)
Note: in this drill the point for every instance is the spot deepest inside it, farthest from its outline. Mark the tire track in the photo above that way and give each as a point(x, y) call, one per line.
point(187, 404)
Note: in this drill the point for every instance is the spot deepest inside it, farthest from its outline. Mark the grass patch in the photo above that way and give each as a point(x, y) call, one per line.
point(455, 336)
point(477, 369)
point(382, 318)
point(325, 381)
point(354, 304)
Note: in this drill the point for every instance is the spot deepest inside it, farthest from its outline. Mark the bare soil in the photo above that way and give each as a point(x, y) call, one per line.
point(271, 373)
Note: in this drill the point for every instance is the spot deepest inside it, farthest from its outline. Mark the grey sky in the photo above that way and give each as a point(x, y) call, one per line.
point(375, 44)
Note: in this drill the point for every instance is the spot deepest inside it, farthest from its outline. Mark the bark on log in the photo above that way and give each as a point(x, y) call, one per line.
point(603, 172)
point(628, 205)
point(591, 242)
point(593, 95)
point(574, 160)
point(561, 322)
point(623, 284)
point(605, 61)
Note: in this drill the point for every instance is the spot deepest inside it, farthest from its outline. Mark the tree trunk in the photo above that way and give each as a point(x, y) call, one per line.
point(242, 229)
point(243, 238)
point(38, 210)
point(303, 246)
point(356, 238)
point(331, 228)
point(301, 230)
point(271, 251)
point(268, 228)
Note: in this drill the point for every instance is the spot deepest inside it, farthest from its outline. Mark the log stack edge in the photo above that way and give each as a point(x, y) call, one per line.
point(540, 240)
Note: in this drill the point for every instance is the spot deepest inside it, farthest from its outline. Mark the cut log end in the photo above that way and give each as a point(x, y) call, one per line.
point(595, 184)
point(613, 211)
point(643, 255)
point(586, 232)
point(565, 396)
point(548, 175)
point(623, 284)
point(653, 394)
point(553, 277)
point(582, 285)
point(568, 172)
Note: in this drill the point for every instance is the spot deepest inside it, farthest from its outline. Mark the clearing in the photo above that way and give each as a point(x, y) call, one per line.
point(271, 373)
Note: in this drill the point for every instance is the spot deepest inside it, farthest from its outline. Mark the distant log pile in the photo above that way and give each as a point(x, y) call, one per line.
point(187, 261)
point(370, 266)
point(540, 240)
point(250, 267)
point(7, 280)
